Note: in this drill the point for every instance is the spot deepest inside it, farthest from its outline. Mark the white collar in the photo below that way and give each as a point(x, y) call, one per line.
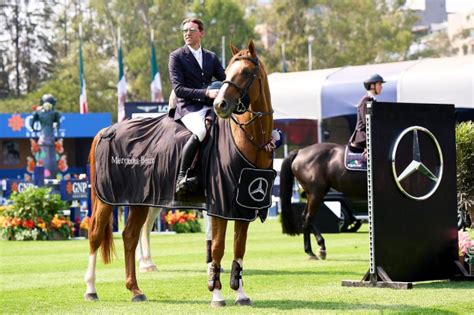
point(371, 95)
point(195, 51)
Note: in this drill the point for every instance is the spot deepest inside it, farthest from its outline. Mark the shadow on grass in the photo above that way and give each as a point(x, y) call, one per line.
point(444, 284)
point(289, 305)
point(250, 272)
point(341, 306)
point(180, 302)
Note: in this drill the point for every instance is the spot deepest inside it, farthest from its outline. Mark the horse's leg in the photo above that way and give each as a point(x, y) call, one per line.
point(143, 248)
point(321, 252)
point(240, 242)
point(314, 201)
point(130, 235)
point(214, 284)
point(208, 228)
point(307, 244)
point(99, 232)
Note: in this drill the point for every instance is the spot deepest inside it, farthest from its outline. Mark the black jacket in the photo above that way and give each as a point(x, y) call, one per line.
point(189, 81)
point(359, 137)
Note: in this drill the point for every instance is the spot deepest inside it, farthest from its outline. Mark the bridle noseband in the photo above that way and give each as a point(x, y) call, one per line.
point(243, 103)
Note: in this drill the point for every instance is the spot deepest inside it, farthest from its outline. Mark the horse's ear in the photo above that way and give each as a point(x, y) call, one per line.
point(234, 49)
point(252, 49)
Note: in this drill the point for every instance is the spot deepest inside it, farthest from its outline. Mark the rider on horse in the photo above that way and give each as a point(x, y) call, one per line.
point(191, 70)
point(373, 85)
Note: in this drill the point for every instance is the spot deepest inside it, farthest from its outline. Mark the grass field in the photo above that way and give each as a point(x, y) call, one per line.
point(47, 277)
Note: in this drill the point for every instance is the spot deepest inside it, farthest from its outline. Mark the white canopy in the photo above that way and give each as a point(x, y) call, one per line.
point(297, 94)
point(335, 92)
point(440, 80)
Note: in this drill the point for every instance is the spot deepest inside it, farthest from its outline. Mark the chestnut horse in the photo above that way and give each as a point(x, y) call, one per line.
point(318, 168)
point(246, 91)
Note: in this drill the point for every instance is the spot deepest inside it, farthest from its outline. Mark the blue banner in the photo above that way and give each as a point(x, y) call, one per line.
point(73, 125)
point(74, 189)
point(14, 185)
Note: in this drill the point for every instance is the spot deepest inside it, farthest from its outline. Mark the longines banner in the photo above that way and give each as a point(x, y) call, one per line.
point(413, 174)
point(72, 125)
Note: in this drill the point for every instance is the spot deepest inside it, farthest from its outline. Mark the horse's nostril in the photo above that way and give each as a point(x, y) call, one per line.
point(223, 105)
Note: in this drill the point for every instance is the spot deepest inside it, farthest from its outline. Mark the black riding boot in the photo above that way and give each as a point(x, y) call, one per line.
point(185, 184)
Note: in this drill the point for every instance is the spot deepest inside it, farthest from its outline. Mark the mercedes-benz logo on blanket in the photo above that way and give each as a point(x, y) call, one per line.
point(258, 188)
point(416, 164)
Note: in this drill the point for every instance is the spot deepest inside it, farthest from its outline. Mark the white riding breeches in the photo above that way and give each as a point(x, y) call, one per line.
point(194, 122)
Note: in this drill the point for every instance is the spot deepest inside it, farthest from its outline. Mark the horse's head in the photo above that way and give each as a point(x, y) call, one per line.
point(242, 85)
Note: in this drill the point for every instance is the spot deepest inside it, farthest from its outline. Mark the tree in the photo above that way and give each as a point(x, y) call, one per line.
point(27, 53)
point(223, 18)
point(343, 32)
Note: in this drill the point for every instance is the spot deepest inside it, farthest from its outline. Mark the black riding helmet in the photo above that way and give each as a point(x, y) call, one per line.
point(372, 80)
point(48, 98)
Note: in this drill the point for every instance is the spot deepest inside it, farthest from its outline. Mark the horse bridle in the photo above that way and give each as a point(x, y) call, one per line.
point(243, 102)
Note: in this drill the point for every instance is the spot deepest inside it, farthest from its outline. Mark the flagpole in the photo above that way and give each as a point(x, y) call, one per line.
point(83, 108)
point(155, 85)
point(122, 83)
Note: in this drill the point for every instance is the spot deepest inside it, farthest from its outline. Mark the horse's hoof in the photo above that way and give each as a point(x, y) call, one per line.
point(313, 257)
point(322, 254)
point(150, 268)
point(91, 297)
point(243, 302)
point(217, 304)
point(139, 298)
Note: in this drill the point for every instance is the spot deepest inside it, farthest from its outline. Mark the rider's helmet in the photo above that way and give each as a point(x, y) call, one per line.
point(372, 80)
point(48, 98)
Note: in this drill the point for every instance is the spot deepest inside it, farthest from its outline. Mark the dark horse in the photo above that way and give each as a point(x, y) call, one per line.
point(245, 91)
point(317, 168)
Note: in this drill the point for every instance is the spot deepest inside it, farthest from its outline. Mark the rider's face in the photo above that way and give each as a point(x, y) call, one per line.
point(378, 88)
point(192, 35)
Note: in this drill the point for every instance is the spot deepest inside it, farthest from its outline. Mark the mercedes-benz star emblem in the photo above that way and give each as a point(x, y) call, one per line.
point(257, 189)
point(416, 165)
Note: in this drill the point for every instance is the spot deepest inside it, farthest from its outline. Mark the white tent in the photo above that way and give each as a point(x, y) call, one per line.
point(335, 92)
point(297, 94)
point(440, 80)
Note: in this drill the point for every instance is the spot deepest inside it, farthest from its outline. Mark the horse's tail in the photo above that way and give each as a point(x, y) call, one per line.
point(106, 239)
point(290, 221)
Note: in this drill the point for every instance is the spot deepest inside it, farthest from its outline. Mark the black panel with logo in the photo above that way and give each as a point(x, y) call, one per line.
point(414, 190)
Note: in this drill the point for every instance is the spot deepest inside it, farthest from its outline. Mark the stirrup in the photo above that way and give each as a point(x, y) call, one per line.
point(186, 184)
point(214, 280)
point(235, 275)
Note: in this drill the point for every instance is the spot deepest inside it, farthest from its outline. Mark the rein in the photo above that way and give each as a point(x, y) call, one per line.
point(243, 106)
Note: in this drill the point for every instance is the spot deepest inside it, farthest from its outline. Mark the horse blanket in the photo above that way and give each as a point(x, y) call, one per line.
point(137, 163)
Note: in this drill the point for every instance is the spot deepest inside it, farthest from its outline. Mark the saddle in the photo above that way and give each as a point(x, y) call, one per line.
point(354, 161)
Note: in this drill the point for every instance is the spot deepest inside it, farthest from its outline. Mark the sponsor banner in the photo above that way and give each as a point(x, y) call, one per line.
point(15, 185)
point(146, 108)
point(74, 189)
point(72, 125)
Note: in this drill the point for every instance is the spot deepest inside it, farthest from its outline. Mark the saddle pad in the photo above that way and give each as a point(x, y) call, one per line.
point(254, 190)
point(137, 163)
point(354, 161)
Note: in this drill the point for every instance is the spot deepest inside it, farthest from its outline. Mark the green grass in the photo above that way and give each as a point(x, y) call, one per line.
point(47, 277)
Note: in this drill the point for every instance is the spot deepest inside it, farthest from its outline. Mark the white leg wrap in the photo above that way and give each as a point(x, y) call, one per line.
point(89, 278)
point(217, 295)
point(207, 225)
